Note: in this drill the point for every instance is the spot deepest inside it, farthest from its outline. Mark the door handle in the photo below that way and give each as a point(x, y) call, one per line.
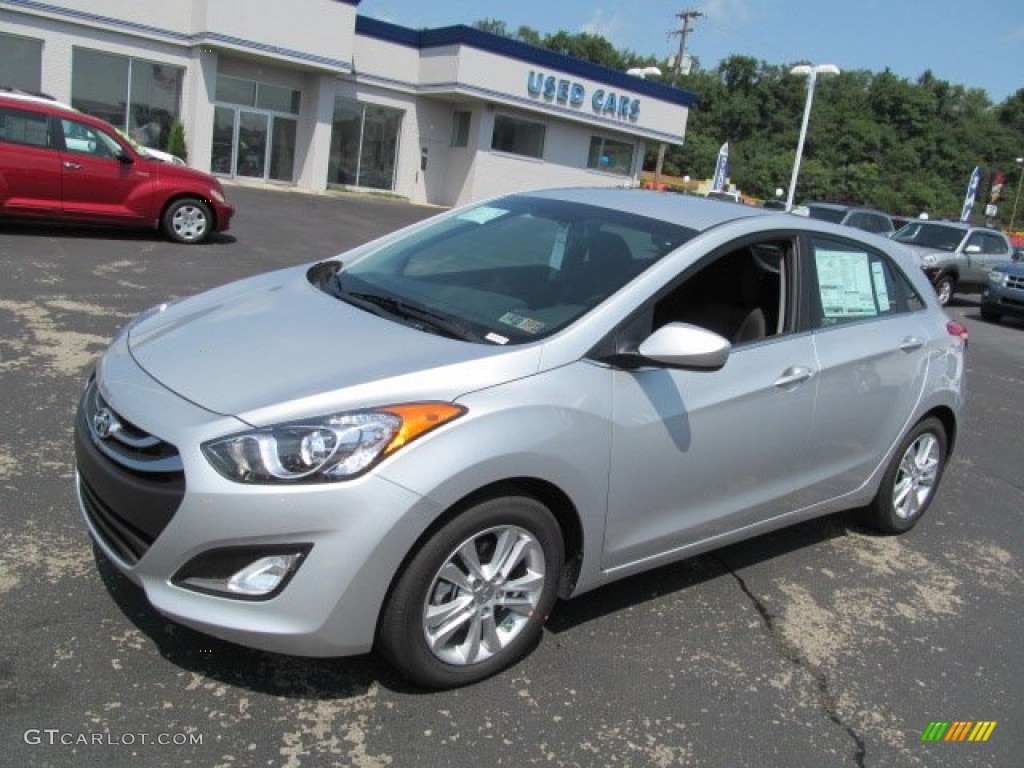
point(911, 343)
point(794, 376)
point(71, 165)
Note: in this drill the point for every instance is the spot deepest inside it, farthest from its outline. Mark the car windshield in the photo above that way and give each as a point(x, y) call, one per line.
point(835, 215)
point(928, 235)
point(508, 271)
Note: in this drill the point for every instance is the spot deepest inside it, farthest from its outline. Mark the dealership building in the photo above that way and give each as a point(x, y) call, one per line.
point(311, 94)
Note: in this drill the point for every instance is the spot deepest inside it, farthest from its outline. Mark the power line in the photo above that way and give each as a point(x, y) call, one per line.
point(685, 17)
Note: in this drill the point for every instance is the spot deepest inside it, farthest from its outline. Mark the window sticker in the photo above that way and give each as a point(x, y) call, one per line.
point(558, 246)
point(844, 281)
point(881, 289)
point(524, 324)
point(482, 215)
point(497, 338)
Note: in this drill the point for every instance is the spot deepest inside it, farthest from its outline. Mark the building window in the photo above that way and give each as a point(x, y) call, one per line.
point(21, 61)
point(460, 128)
point(250, 93)
point(140, 97)
point(364, 145)
point(610, 156)
point(518, 136)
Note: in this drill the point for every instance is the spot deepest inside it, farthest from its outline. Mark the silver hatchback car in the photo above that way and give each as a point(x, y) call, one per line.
point(419, 446)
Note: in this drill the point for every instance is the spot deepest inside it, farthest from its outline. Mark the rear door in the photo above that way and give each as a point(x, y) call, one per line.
point(97, 185)
point(30, 170)
point(871, 342)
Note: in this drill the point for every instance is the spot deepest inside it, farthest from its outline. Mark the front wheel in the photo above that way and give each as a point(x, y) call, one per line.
point(187, 221)
point(473, 599)
point(944, 288)
point(910, 482)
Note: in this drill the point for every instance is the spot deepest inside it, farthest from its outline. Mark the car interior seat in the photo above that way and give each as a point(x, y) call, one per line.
point(727, 299)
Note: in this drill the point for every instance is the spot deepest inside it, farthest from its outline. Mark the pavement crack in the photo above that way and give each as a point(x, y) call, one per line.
point(792, 654)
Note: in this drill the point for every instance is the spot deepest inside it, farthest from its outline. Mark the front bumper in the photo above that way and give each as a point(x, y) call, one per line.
point(1005, 299)
point(354, 534)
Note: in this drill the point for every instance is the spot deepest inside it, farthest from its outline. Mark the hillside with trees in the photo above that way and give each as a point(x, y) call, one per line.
point(875, 139)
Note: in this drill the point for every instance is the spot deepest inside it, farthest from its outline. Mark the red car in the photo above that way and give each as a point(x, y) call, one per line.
point(59, 164)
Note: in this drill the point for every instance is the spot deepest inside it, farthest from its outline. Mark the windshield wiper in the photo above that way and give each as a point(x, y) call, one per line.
point(422, 318)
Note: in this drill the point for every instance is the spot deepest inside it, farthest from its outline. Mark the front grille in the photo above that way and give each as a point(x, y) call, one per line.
point(1015, 281)
point(130, 482)
point(122, 441)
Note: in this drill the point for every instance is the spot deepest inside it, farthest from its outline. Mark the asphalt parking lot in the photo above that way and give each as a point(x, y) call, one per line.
point(821, 645)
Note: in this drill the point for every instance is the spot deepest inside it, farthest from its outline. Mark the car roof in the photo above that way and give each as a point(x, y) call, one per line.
point(690, 211)
point(843, 207)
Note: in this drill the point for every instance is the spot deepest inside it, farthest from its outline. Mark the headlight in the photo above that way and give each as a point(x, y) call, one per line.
point(325, 449)
point(929, 259)
point(218, 195)
point(997, 277)
point(141, 318)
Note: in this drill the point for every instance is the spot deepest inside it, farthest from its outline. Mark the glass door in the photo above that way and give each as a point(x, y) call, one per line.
point(222, 154)
point(253, 130)
point(252, 144)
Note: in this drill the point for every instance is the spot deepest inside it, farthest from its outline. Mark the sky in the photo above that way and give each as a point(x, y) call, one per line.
point(977, 44)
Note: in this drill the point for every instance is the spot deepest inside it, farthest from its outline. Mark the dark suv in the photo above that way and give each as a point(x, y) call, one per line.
point(956, 256)
point(866, 219)
point(59, 164)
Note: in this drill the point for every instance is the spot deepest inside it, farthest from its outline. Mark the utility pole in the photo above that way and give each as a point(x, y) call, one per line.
point(685, 17)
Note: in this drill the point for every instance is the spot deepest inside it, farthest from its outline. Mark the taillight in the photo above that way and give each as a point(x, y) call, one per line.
point(954, 328)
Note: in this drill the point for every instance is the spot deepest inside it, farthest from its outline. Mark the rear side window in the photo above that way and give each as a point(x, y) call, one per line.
point(21, 127)
point(854, 284)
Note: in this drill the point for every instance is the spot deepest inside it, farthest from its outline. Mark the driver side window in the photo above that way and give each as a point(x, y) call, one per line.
point(740, 295)
point(83, 139)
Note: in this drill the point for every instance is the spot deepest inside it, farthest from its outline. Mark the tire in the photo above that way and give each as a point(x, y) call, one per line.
point(944, 288)
point(187, 221)
point(990, 316)
point(911, 480)
point(447, 622)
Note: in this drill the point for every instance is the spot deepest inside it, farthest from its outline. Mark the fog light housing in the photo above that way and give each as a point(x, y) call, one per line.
point(242, 573)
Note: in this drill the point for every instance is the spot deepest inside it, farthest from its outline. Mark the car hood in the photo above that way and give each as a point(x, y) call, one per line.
point(1015, 268)
point(274, 347)
point(918, 251)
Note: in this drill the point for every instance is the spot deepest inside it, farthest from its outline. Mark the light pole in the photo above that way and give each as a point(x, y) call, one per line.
point(1016, 195)
point(812, 72)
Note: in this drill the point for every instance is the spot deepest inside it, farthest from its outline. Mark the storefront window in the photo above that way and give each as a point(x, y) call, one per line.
point(138, 96)
point(518, 136)
point(610, 156)
point(21, 61)
point(364, 145)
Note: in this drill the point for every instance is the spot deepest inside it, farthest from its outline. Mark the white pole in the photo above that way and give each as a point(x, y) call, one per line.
point(811, 78)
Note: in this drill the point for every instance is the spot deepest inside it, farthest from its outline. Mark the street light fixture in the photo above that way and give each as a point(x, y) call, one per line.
point(1016, 195)
point(812, 72)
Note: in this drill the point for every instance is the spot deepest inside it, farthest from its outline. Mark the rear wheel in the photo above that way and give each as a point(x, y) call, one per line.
point(187, 221)
point(473, 599)
point(944, 288)
point(910, 482)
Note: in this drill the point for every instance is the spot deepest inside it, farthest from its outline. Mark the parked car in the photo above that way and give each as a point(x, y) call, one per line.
point(509, 403)
point(955, 256)
point(867, 219)
point(58, 164)
point(1004, 292)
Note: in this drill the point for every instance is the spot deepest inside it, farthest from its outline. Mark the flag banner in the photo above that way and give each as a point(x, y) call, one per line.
point(721, 169)
point(972, 193)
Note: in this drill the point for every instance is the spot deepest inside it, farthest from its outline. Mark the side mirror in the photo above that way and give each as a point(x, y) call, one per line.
point(681, 345)
point(972, 249)
point(124, 157)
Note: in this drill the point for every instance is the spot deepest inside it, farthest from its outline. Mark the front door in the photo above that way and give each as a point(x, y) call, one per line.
point(253, 144)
